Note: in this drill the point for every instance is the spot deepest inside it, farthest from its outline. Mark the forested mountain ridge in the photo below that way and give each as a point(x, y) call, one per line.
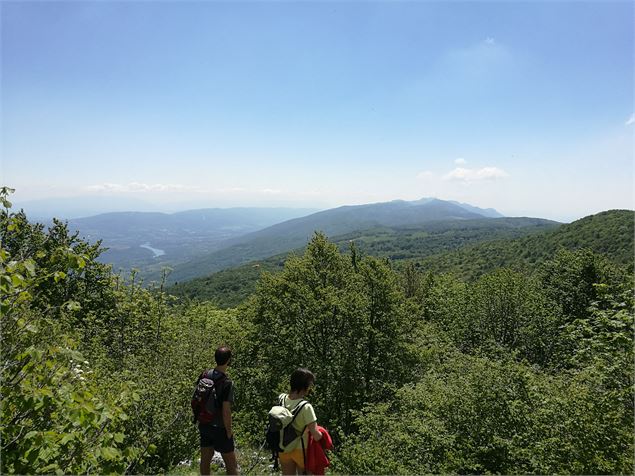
point(486, 212)
point(399, 243)
point(610, 233)
point(467, 248)
point(293, 234)
point(188, 221)
point(417, 373)
point(231, 286)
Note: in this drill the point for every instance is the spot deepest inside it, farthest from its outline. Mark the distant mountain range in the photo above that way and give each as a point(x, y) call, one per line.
point(78, 207)
point(211, 220)
point(150, 241)
point(295, 233)
point(199, 242)
point(486, 212)
point(467, 249)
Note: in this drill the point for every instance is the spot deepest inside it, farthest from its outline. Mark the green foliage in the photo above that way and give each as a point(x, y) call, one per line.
point(227, 288)
point(510, 372)
point(55, 416)
point(60, 310)
point(346, 325)
point(166, 368)
point(230, 287)
point(570, 278)
point(610, 233)
point(163, 348)
point(472, 415)
point(68, 265)
point(509, 311)
point(528, 316)
point(57, 420)
point(589, 293)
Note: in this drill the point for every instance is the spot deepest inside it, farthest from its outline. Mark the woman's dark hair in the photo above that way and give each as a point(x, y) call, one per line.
point(222, 355)
point(301, 379)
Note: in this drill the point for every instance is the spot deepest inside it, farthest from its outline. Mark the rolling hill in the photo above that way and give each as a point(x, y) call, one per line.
point(231, 286)
point(150, 241)
point(295, 233)
point(609, 233)
point(468, 248)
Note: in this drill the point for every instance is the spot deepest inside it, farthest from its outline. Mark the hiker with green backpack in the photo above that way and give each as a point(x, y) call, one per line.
point(288, 422)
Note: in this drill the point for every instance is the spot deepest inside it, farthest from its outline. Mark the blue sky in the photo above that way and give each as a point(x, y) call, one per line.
point(526, 107)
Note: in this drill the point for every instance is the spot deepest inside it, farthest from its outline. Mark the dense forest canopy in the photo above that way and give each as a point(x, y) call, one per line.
point(467, 248)
point(514, 370)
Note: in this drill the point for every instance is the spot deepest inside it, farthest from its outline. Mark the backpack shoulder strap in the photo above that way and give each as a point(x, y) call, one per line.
point(220, 383)
point(298, 408)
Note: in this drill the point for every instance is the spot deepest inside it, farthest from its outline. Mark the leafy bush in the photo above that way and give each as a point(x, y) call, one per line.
point(55, 416)
point(474, 415)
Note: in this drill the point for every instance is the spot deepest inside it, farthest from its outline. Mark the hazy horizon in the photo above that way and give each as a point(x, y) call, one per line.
point(527, 108)
point(69, 208)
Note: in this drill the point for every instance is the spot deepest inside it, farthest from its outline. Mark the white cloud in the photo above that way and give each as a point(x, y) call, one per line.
point(232, 190)
point(462, 174)
point(271, 191)
point(631, 120)
point(460, 161)
point(458, 174)
point(489, 41)
point(135, 187)
point(426, 174)
point(105, 187)
point(490, 173)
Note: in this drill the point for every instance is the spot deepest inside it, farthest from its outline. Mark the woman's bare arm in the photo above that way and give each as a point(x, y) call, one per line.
point(317, 436)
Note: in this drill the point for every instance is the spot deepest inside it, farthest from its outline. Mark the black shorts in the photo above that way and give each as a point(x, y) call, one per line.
point(215, 437)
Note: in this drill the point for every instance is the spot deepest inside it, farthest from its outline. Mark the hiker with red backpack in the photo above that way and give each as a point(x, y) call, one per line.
point(211, 406)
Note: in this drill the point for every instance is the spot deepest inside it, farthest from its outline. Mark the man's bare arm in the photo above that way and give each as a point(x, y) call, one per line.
point(227, 418)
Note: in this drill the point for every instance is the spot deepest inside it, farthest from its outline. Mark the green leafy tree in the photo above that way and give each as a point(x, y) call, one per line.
point(54, 416)
point(472, 415)
point(343, 320)
point(570, 280)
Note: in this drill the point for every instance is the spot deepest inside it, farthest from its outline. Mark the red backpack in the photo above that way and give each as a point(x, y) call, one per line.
point(205, 402)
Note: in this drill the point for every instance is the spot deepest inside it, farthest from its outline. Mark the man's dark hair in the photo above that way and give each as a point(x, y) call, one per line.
point(222, 355)
point(301, 379)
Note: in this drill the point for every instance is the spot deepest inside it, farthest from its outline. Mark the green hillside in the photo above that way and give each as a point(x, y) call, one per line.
point(440, 237)
point(467, 248)
point(228, 288)
point(609, 233)
point(294, 234)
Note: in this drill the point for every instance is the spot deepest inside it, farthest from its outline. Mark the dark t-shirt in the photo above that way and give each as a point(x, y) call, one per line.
point(224, 393)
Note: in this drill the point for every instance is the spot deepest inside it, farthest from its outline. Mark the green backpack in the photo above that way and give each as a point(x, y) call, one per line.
point(280, 430)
